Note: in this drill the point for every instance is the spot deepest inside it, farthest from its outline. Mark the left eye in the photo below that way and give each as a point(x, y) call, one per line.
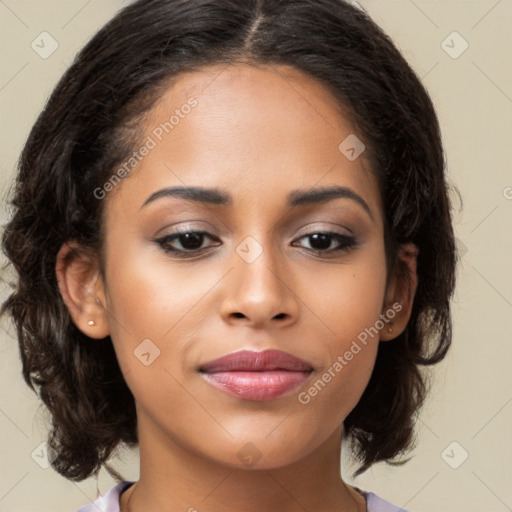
point(192, 242)
point(322, 241)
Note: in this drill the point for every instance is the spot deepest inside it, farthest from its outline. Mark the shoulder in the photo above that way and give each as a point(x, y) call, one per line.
point(376, 504)
point(108, 502)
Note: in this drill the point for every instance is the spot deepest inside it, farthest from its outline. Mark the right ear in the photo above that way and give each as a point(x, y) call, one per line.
point(82, 289)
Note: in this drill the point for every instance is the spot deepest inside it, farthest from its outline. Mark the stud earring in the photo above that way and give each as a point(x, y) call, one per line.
point(390, 329)
point(91, 323)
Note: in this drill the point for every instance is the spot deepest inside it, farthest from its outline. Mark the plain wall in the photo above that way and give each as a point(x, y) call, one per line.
point(471, 400)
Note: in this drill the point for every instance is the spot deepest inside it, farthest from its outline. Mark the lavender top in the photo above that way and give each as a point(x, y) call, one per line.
point(109, 502)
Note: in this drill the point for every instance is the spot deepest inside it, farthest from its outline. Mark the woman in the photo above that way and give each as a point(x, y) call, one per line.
point(234, 249)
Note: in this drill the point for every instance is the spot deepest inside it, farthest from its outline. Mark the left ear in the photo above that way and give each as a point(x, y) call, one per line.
point(400, 292)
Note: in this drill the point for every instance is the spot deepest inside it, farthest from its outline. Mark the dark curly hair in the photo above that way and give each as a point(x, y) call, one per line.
point(92, 121)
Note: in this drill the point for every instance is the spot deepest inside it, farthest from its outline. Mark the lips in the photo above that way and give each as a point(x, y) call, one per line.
point(256, 376)
point(248, 361)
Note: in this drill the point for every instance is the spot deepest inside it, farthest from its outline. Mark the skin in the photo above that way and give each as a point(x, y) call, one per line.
point(256, 133)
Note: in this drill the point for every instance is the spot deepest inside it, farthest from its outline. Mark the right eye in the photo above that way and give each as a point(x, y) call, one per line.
point(191, 242)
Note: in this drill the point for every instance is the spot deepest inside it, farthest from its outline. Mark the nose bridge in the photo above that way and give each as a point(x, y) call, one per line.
point(258, 289)
point(257, 265)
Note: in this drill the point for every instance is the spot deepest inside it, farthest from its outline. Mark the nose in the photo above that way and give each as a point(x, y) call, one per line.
point(260, 294)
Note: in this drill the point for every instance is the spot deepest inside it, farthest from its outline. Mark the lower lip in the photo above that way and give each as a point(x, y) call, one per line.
point(257, 386)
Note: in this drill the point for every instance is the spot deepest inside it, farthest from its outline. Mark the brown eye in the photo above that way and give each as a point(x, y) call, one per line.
point(187, 241)
point(322, 242)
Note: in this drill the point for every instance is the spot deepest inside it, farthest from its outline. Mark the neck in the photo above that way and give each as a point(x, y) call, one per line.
point(175, 478)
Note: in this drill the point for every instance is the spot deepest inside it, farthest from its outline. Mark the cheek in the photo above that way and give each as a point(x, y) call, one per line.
point(154, 300)
point(347, 297)
point(157, 311)
point(348, 305)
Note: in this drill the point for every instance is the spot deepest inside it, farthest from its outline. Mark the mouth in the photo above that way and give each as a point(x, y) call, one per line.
point(256, 376)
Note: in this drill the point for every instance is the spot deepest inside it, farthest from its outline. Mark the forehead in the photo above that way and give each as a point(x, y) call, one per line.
point(245, 128)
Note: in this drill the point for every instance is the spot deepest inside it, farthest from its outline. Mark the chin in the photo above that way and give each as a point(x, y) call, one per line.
point(261, 454)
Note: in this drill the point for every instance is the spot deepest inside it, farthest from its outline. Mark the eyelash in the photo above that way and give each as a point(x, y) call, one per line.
point(346, 242)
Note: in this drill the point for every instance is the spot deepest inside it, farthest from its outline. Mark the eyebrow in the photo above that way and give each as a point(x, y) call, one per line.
point(215, 196)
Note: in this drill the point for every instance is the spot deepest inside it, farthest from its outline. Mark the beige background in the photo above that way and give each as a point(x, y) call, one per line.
point(471, 402)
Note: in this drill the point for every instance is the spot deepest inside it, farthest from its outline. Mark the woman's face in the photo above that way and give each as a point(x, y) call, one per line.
point(256, 142)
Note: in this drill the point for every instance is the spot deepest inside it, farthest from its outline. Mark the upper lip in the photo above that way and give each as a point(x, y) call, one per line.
point(247, 360)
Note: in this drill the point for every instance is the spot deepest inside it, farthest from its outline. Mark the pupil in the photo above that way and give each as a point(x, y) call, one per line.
point(320, 241)
point(191, 240)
